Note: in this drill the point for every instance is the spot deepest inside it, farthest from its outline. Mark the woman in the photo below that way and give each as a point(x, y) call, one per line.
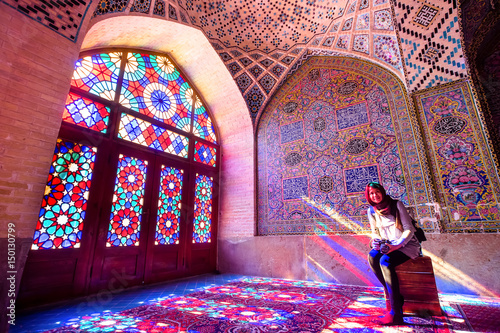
point(390, 221)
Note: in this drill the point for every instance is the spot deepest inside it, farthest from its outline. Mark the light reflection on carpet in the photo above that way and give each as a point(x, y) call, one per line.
point(254, 305)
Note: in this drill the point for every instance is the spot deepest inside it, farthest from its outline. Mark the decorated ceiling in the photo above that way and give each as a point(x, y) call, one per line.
point(263, 42)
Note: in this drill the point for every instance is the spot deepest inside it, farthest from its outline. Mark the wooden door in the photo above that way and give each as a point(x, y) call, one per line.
point(121, 244)
point(167, 231)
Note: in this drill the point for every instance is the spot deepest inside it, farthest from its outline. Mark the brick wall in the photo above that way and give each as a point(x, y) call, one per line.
point(36, 66)
point(35, 71)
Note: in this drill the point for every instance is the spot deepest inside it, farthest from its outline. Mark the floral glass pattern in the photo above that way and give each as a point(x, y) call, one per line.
point(86, 113)
point(202, 222)
point(169, 206)
point(126, 211)
point(202, 124)
point(154, 87)
point(98, 74)
point(204, 154)
point(60, 222)
point(146, 134)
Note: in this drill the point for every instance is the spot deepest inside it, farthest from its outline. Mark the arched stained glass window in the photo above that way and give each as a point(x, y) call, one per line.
point(60, 222)
point(133, 185)
point(139, 100)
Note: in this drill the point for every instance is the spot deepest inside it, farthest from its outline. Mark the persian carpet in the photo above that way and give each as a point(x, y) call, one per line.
point(254, 305)
point(482, 318)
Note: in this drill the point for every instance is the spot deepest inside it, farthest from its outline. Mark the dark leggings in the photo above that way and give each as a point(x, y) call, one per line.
point(384, 267)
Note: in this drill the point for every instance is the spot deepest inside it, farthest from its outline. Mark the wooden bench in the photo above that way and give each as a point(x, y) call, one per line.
point(418, 286)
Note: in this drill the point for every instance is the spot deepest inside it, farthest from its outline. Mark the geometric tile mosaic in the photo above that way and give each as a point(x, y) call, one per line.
point(172, 12)
point(255, 32)
point(363, 22)
point(109, 6)
point(64, 17)
point(141, 6)
point(234, 68)
point(278, 70)
point(361, 43)
point(343, 42)
point(254, 98)
point(386, 48)
point(159, 8)
point(431, 42)
point(243, 82)
point(383, 20)
point(267, 82)
point(461, 161)
point(336, 124)
point(256, 71)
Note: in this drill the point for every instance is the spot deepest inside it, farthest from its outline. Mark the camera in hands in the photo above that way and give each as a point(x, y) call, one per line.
point(383, 245)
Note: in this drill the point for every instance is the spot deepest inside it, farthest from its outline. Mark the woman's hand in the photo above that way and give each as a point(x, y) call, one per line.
point(376, 244)
point(393, 246)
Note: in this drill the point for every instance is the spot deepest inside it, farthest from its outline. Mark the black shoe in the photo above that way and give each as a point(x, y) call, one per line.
point(390, 319)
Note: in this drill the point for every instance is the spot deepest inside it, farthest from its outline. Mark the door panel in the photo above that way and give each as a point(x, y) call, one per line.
point(167, 227)
point(169, 195)
point(122, 242)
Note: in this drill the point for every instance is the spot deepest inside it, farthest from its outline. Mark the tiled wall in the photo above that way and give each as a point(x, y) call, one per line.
point(461, 159)
point(337, 124)
point(340, 123)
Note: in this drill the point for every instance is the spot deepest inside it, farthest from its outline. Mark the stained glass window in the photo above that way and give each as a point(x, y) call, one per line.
point(86, 113)
point(202, 123)
point(151, 86)
point(60, 222)
point(154, 87)
point(146, 134)
point(169, 206)
point(126, 211)
point(204, 154)
point(202, 222)
point(98, 74)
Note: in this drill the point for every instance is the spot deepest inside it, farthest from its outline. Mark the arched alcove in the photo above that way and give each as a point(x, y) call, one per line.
point(337, 124)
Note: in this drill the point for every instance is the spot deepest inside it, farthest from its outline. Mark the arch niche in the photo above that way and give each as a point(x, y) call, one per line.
point(335, 125)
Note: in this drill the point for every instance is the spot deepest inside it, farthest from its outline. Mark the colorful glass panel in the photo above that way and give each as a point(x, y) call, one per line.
point(98, 74)
point(83, 112)
point(204, 154)
point(169, 206)
point(126, 211)
point(60, 222)
point(146, 134)
point(202, 123)
point(154, 87)
point(202, 222)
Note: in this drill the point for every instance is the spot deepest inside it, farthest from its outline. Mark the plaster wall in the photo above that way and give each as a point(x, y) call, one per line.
point(463, 263)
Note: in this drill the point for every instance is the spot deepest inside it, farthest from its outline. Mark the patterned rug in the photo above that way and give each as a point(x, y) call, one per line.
point(482, 318)
point(255, 305)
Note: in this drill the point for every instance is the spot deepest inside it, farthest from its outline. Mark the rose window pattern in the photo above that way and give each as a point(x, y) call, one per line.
point(202, 221)
point(154, 87)
point(169, 206)
point(125, 221)
point(148, 84)
point(60, 222)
